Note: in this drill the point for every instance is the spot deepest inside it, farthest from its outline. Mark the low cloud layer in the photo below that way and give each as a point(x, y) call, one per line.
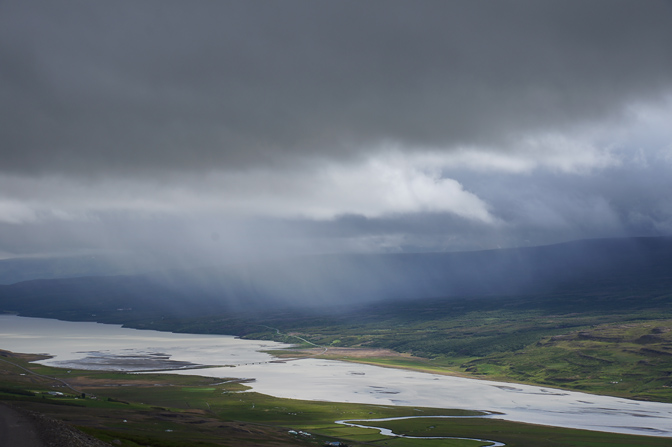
point(332, 126)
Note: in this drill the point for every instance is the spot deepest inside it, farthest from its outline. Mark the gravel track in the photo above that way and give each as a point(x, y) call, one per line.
point(19, 427)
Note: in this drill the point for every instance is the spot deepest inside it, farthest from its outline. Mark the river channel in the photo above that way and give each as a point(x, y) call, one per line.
point(111, 347)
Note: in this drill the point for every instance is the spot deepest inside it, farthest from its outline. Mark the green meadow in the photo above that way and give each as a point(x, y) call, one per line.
point(616, 343)
point(163, 410)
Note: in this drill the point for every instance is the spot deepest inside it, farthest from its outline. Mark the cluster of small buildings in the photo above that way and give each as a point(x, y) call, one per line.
point(326, 444)
point(302, 433)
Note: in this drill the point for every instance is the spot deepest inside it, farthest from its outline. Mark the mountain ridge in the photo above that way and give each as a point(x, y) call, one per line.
point(335, 281)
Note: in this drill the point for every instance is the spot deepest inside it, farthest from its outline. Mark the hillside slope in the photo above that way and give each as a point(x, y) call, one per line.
point(338, 282)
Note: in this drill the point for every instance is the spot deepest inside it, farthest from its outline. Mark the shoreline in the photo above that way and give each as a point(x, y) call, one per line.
point(342, 381)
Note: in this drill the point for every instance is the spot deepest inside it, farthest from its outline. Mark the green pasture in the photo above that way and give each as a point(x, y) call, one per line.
point(179, 411)
point(625, 354)
point(515, 434)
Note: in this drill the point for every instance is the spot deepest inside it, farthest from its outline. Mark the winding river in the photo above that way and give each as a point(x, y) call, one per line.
point(388, 432)
point(111, 347)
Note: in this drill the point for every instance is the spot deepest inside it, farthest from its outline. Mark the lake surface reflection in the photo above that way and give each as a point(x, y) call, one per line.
point(111, 347)
point(98, 346)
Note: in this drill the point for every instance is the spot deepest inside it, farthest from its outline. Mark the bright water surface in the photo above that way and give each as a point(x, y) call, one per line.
point(99, 346)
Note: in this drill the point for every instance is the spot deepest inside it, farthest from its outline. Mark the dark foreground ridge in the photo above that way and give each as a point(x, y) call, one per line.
point(29, 429)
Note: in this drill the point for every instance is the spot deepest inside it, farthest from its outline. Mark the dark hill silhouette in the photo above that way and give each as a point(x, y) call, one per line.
point(600, 266)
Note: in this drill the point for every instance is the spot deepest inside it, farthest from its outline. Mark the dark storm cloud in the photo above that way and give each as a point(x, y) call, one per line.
point(218, 131)
point(94, 87)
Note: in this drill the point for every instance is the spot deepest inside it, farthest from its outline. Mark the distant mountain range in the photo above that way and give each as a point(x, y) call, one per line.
point(14, 270)
point(340, 281)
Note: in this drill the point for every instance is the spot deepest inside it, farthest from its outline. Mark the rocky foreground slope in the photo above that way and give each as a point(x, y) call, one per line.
point(30, 429)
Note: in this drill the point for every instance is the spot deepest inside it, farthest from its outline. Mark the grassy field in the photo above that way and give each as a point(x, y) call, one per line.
point(621, 350)
point(177, 411)
point(631, 360)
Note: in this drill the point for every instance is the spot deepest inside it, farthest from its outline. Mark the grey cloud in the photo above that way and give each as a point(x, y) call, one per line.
point(93, 87)
point(531, 209)
point(114, 112)
point(622, 200)
point(540, 207)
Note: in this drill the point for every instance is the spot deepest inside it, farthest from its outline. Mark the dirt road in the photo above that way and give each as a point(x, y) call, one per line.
point(18, 429)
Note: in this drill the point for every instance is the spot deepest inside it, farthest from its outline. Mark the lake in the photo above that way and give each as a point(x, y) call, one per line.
point(111, 347)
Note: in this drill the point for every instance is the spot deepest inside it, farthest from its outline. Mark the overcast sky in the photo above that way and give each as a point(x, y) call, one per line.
point(256, 128)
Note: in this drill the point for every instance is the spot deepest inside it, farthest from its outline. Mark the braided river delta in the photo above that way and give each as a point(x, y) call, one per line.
point(85, 345)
